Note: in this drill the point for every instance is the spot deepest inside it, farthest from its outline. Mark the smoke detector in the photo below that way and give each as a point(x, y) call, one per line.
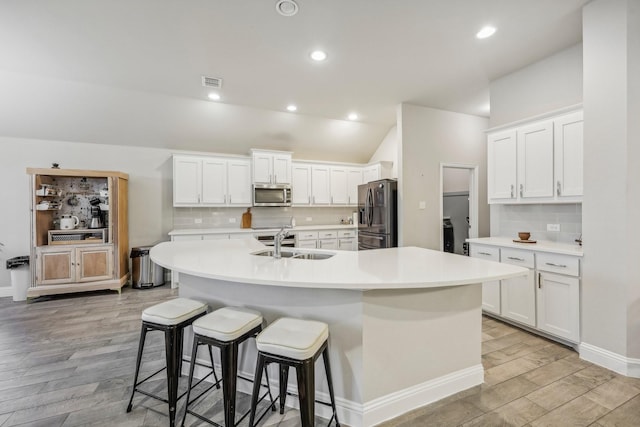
point(286, 7)
point(211, 82)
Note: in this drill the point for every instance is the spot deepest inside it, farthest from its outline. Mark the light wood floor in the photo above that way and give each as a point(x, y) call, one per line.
point(69, 361)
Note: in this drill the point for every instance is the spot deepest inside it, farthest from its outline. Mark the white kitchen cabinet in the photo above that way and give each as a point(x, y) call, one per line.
point(271, 167)
point(300, 184)
point(239, 182)
point(376, 171)
point(187, 180)
point(338, 185)
point(213, 184)
point(307, 239)
point(354, 179)
point(348, 240)
point(518, 295)
point(490, 290)
point(328, 239)
point(501, 166)
point(558, 295)
point(539, 162)
point(568, 149)
point(535, 160)
point(320, 185)
point(211, 181)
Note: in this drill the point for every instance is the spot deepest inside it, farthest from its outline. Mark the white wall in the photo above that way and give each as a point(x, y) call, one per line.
point(455, 180)
point(150, 187)
point(428, 137)
point(611, 207)
point(544, 86)
point(388, 151)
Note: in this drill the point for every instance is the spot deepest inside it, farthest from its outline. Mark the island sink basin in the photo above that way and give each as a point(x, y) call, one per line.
point(297, 255)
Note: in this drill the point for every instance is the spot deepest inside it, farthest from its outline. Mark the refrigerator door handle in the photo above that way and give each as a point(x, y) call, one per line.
point(370, 207)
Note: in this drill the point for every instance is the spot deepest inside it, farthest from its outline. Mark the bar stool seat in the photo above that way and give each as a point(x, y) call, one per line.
point(225, 328)
point(227, 323)
point(295, 343)
point(170, 317)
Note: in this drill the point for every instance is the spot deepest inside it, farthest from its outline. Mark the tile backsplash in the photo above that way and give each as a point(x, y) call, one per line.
point(508, 220)
point(194, 218)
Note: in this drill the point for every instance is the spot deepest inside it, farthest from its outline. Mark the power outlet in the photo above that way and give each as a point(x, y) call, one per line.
point(197, 220)
point(232, 220)
point(309, 219)
point(422, 205)
point(553, 227)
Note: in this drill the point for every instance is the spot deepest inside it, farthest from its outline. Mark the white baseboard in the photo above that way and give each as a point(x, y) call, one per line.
point(395, 404)
point(623, 365)
point(380, 409)
point(6, 291)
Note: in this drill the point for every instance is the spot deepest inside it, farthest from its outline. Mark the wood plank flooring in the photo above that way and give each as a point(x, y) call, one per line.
point(69, 361)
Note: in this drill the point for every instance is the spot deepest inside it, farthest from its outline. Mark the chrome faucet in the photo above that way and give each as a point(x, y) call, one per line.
point(277, 241)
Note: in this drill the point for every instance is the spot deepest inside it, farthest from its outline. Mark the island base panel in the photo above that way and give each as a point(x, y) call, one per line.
point(391, 350)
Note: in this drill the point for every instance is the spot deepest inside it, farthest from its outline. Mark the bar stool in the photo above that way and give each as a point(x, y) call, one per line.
point(295, 343)
point(225, 328)
point(170, 317)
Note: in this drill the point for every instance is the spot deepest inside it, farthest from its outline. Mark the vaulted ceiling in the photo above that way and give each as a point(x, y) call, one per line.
point(129, 72)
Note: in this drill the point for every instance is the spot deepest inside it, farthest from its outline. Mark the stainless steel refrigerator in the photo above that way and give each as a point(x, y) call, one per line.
point(377, 214)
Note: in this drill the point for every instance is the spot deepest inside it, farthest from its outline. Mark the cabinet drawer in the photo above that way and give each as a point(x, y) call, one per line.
point(307, 235)
point(490, 253)
point(345, 234)
point(183, 237)
point(332, 234)
point(517, 257)
point(555, 263)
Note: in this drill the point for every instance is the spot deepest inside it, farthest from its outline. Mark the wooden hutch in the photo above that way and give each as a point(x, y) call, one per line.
point(82, 258)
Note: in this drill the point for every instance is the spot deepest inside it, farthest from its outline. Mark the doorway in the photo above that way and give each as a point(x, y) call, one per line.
point(458, 206)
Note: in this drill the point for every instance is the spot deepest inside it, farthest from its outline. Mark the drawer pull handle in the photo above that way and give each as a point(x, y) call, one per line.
point(515, 258)
point(512, 191)
point(484, 253)
point(539, 280)
point(556, 265)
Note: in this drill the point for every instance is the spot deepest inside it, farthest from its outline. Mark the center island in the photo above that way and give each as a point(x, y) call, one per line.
point(404, 323)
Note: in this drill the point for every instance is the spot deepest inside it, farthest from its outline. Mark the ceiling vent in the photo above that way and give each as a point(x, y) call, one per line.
point(212, 82)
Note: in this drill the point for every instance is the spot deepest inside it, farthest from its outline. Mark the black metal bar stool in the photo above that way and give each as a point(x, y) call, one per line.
point(295, 343)
point(170, 317)
point(226, 329)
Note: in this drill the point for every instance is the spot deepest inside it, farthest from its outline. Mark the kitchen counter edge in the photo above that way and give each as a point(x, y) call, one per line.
point(540, 246)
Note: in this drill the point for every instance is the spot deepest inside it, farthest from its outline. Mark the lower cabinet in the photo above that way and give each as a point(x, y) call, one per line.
point(518, 295)
point(307, 239)
point(74, 264)
point(547, 299)
point(490, 290)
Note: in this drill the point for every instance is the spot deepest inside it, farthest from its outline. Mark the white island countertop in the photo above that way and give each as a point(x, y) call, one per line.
point(394, 268)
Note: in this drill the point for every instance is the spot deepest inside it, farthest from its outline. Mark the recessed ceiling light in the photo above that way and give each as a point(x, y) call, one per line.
point(352, 116)
point(318, 55)
point(485, 32)
point(214, 96)
point(287, 7)
point(291, 108)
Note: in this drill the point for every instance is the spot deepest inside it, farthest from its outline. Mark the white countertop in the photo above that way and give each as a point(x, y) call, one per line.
point(539, 246)
point(230, 230)
point(394, 268)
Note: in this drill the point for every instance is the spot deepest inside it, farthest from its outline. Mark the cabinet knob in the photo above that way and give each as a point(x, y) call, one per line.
point(558, 189)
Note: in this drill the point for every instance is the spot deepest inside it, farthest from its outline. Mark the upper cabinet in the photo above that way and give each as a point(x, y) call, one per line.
point(376, 171)
point(325, 184)
point(211, 181)
point(568, 145)
point(271, 167)
point(539, 162)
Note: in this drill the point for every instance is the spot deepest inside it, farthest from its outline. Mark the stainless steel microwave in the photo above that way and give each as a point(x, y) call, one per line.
point(271, 195)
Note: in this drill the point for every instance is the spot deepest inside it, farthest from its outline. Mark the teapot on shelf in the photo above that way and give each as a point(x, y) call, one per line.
point(69, 222)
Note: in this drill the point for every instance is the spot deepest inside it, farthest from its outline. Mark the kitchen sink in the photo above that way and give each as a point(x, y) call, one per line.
point(296, 255)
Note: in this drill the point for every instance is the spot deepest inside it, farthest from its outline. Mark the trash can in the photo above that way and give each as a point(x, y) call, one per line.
point(19, 267)
point(145, 273)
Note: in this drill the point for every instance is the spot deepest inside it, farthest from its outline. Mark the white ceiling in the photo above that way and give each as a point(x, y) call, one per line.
point(128, 71)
